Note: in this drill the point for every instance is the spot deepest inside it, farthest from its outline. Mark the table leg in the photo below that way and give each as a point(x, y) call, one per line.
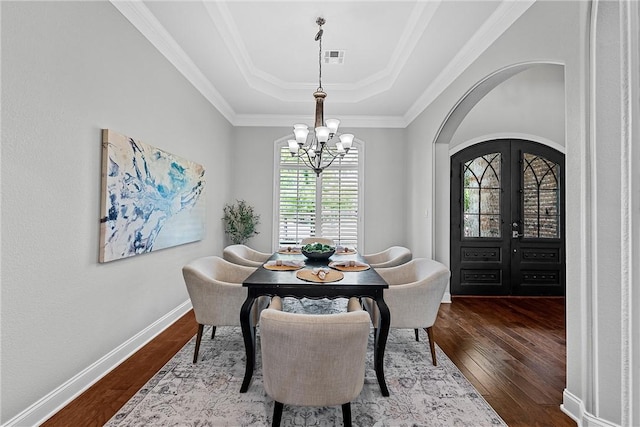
point(380, 342)
point(249, 336)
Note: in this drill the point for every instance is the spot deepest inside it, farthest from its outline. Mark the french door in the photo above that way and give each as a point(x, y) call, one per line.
point(507, 219)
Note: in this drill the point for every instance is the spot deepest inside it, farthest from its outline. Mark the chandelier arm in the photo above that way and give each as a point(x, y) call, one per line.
point(333, 157)
point(308, 161)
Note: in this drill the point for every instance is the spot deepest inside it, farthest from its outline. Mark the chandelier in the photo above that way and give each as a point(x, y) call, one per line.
point(320, 147)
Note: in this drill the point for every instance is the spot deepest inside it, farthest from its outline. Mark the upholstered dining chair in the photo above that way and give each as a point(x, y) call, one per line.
point(390, 257)
point(414, 296)
point(244, 255)
point(313, 359)
point(323, 240)
point(215, 289)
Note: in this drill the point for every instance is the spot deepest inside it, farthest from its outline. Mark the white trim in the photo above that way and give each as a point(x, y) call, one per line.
point(142, 19)
point(482, 88)
point(574, 408)
point(590, 374)
point(361, 183)
point(346, 121)
point(46, 407)
point(368, 87)
point(633, 32)
point(275, 224)
point(277, 146)
point(625, 215)
point(504, 16)
point(446, 298)
point(509, 135)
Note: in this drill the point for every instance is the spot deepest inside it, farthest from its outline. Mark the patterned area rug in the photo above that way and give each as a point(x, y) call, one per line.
point(207, 393)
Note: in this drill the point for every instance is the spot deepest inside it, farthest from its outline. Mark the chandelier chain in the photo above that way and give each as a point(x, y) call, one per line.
point(319, 38)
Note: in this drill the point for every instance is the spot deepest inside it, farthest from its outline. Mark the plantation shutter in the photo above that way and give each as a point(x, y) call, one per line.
point(334, 193)
point(339, 202)
point(297, 216)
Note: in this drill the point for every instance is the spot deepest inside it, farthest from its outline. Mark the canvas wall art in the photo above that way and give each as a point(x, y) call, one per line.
point(151, 199)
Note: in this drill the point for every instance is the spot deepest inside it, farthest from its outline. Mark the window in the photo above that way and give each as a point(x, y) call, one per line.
point(326, 206)
point(541, 197)
point(481, 190)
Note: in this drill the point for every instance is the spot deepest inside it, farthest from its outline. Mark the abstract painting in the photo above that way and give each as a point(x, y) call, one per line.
point(151, 199)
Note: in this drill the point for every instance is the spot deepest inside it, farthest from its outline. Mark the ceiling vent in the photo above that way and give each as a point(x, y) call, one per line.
point(333, 56)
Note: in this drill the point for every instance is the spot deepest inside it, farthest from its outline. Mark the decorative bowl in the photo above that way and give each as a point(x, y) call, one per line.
point(319, 255)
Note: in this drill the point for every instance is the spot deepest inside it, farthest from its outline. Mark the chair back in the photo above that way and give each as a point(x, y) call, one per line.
point(313, 359)
point(244, 255)
point(391, 257)
point(323, 240)
point(415, 292)
point(215, 289)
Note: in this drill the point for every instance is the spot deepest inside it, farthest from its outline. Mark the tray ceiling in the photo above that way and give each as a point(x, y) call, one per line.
point(257, 61)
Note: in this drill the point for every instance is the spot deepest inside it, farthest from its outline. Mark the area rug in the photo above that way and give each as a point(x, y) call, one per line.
point(208, 393)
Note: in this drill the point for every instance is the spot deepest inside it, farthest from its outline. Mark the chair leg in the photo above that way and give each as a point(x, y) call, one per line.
point(417, 336)
point(277, 414)
point(213, 332)
point(198, 338)
point(432, 344)
point(346, 414)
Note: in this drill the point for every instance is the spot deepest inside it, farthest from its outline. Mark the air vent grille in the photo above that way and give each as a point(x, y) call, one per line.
point(333, 56)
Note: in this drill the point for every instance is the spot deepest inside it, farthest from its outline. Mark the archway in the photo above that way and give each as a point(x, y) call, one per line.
point(447, 142)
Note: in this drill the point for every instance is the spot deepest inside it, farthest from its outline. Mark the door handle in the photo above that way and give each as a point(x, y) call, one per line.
point(515, 234)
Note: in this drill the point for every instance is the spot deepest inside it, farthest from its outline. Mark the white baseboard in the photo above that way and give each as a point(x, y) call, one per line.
point(574, 408)
point(46, 407)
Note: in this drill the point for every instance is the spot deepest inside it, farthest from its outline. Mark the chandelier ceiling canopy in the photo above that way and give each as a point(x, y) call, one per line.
point(319, 147)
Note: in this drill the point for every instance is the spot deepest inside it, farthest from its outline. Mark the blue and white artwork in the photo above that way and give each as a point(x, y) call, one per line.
point(151, 199)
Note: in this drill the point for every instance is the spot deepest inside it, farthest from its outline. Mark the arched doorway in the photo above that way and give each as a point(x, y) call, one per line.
point(507, 219)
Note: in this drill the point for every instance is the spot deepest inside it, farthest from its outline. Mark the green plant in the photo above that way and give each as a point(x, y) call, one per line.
point(240, 222)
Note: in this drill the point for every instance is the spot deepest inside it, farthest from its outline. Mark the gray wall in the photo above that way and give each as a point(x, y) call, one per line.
point(68, 70)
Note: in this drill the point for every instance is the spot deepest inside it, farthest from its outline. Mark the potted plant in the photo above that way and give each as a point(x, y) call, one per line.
point(240, 222)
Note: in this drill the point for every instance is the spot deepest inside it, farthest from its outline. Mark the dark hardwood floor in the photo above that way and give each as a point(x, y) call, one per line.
point(511, 349)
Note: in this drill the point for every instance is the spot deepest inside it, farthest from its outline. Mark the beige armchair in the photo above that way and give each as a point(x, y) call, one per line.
point(395, 255)
point(414, 295)
point(244, 255)
point(215, 288)
point(322, 240)
point(313, 359)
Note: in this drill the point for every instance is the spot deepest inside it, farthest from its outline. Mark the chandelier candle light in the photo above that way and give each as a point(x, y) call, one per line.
point(314, 150)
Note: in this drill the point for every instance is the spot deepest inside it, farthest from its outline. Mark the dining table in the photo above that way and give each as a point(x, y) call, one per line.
point(286, 283)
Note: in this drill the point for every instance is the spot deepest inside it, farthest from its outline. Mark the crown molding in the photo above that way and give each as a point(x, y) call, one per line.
point(504, 16)
point(142, 19)
point(345, 121)
point(272, 86)
point(145, 22)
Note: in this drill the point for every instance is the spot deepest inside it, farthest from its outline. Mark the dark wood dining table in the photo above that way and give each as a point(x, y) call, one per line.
point(367, 283)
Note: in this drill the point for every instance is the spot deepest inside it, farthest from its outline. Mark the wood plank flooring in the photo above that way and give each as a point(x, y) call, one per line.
point(511, 349)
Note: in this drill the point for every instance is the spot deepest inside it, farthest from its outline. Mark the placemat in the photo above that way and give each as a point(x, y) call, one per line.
point(290, 252)
point(349, 268)
point(307, 274)
point(282, 267)
point(347, 252)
